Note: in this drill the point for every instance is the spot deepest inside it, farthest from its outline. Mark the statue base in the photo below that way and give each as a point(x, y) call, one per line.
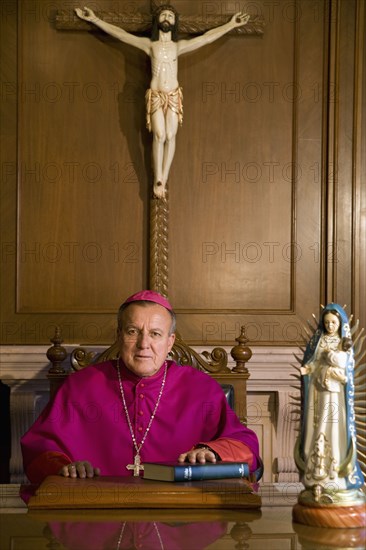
point(311, 537)
point(339, 517)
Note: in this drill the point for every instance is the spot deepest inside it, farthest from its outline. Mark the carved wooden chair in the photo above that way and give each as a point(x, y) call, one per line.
point(215, 363)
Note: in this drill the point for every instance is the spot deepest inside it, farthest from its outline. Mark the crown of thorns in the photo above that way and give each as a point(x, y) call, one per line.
point(165, 7)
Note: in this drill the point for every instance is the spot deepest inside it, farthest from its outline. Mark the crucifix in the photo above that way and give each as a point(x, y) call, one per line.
point(136, 466)
point(164, 99)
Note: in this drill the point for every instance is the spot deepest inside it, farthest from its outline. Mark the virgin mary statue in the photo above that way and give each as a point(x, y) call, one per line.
point(326, 448)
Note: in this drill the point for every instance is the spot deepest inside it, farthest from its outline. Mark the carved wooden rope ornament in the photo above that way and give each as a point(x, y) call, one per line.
point(159, 244)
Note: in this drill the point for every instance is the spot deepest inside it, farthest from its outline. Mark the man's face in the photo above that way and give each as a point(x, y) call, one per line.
point(145, 338)
point(166, 21)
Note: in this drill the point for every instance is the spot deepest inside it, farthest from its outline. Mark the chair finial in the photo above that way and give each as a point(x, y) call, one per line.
point(56, 353)
point(241, 353)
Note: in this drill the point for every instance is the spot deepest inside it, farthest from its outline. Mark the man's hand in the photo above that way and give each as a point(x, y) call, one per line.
point(201, 455)
point(81, 468)
point(240, 19)
point(86, 13)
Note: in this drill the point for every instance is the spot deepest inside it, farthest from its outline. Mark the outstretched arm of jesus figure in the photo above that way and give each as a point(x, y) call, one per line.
point(138, 42)
point(237, 20)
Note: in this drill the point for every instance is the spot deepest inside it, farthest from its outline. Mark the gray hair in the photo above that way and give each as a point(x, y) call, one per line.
point(145, 303)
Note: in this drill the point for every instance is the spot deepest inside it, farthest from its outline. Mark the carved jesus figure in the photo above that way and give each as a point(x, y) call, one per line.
point(164, 99)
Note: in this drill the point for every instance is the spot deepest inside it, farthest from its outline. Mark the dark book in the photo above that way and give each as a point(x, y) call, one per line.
point(184, 471)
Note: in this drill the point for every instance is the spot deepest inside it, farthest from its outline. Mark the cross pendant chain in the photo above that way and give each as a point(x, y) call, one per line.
point(136, 466)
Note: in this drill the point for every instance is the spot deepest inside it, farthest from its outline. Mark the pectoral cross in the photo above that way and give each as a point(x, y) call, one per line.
point(136, 466)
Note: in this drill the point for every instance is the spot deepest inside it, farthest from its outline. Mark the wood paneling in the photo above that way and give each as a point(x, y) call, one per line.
point(253, 177)
point(82, 223)
point(266, 194)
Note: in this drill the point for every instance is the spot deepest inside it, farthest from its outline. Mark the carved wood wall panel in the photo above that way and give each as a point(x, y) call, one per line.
point(266, 201)
point(77, 177)
point(255, 173)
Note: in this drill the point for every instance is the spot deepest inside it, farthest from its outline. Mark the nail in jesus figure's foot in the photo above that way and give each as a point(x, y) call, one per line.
point(159, 190)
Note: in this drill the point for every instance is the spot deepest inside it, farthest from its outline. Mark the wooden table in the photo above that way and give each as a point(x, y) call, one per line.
point(58, 492)
point(267, 528)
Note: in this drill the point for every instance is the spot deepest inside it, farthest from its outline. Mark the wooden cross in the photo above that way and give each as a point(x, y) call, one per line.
point(141, 22)
point(136, 466)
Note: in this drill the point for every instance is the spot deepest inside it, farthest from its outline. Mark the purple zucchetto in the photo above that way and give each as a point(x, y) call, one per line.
point(149, 296)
